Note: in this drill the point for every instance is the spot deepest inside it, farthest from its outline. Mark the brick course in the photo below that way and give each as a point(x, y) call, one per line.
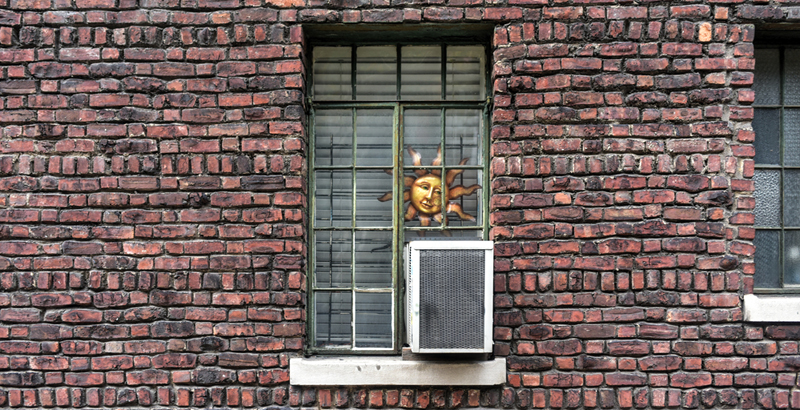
point(153, 204)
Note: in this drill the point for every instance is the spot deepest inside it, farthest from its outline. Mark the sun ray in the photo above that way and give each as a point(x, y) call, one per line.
point(451, 207)
point(387, 196)
point(424, 220)
point(451, 174)
point(406, 195)
point(416, 158)
point(438, 160)
point(411, 213)
point(460, 190)
point(408, 181)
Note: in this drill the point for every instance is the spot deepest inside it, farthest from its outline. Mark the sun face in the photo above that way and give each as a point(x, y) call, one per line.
point(424, 192)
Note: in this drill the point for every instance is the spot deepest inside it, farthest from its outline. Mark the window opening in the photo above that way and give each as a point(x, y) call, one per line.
point(398, 153)
point(776, 123)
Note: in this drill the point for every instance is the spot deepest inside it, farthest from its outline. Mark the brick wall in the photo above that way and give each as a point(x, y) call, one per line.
point(153, 204)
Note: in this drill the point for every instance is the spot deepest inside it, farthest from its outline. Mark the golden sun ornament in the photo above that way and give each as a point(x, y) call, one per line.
point(424, 192)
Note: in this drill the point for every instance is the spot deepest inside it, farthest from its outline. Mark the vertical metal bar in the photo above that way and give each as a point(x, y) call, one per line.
point(444, 70)
point(353, 72)
point(397, 215)
point(311, 308)
point(782, 238)
point(442, 169)
point(354, 192)
point(484, 142)
point(398, 68)
point(353, 205)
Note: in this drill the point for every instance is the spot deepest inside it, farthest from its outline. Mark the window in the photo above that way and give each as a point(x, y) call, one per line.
point(397, 154)
point(777, 175)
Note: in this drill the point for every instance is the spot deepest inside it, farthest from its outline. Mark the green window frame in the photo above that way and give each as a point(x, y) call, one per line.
point(776, 123)
point(355, 237)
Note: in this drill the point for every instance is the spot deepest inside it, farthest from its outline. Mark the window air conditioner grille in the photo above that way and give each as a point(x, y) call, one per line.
point(452, 299)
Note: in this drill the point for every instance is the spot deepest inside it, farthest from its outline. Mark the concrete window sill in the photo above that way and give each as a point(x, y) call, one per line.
point(772, 308)
point(394, 371)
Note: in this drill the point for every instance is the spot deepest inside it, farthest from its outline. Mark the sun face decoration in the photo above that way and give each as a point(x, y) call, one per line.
point(424, 192)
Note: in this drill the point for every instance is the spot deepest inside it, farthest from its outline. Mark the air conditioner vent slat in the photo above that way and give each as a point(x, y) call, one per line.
point(451, 299)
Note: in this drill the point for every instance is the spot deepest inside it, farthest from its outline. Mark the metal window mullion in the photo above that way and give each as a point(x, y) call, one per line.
point(312, 311)
point(782, 236)
point(776, 167)
point(454, 166)
point(354, 151)
point(398, 219)
point(442, 170)
point(484, 151)
point(357, 229)
point(407, 104)
point(348, 167)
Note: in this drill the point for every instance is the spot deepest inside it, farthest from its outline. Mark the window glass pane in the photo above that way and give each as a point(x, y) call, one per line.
point(421, 73)
point(376, 73)
point(767, 259)
point(373, 259)
point(463, 137)
point(768, 197)
point(767, 81)
point(465, 73)
point(373, 199)
point(332, 79)
point(766, 124)
point(791, 137)
point(334, 315)
point(791, 255)
point(332, 252)
point(333, 137)
point(334, 198)
point(791, 197)
point(374, 320)
point(791, 79)
point(422, 133)
point(464, 193)
point(374, 134)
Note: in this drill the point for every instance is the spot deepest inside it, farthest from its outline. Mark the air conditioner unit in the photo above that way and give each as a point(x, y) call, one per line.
point(449, 296)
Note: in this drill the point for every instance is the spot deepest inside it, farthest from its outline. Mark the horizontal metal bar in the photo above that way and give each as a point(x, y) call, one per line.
point(351, 351)
point(406, 104)
point(444, 228)
point(350, 228)
point(350, 167)
point(446, 167)
point(357, 289)
point(776, 106)
point(776, 167)
point(789, 289)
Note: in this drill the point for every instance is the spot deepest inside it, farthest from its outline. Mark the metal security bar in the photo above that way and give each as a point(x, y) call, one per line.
point(355, 153)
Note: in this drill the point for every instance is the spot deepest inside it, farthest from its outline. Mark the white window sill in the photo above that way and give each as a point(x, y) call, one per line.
point(772, 308)
point(394, 371)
